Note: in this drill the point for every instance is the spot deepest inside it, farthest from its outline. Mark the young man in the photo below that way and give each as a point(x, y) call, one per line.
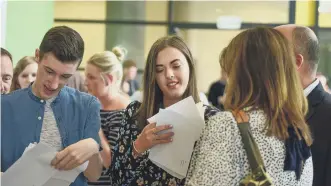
point(6, 71)
point(52, 113)
point(306, 49)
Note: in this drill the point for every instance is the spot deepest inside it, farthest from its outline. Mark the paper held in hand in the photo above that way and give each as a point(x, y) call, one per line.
point(34, 169)
point(188, 122)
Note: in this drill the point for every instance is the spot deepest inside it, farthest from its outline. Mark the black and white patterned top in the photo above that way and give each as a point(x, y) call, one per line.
point(126, 170)
point(110, 125)
point(220, 158)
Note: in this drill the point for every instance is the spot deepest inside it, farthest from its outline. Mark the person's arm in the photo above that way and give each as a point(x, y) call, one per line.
point(106, 152)
point(94, 168)
point(123, 161)
point(86, 149)
point(328, 167)
point(91, 130)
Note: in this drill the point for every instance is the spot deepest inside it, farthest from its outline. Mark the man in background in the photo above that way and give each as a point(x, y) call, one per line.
point(306, 47)
point(130, 84)
point(6, 71)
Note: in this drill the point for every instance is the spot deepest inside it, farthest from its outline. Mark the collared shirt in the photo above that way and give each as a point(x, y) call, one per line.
point(311, 87)
point(77, 115)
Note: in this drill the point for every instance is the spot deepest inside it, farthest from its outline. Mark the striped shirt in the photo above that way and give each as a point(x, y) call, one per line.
point(110, 125)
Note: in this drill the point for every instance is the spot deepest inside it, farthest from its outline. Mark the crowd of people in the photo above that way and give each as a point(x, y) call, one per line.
point(269, 82)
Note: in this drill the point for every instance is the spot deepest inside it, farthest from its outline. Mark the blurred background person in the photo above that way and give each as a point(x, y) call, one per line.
point(217, 89)
point(103, 79)
point(130, 84)
point(324, 81)
point(25, 73)
point(77, 81)
point(263, 82)
point(6, 71)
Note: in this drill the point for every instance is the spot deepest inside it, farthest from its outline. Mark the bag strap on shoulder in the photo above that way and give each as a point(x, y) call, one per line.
point(250, 146)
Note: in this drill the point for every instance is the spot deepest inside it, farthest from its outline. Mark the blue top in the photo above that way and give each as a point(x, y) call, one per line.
point(77, 115)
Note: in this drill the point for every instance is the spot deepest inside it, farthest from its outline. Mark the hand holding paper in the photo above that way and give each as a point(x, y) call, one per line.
point(75, 155)
point(187, 119)
point(153, 135)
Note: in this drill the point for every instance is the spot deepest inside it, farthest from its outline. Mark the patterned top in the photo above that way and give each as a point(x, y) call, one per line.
point(125, 170)
point(220, 158)
point(50, 133)
point(110, 125)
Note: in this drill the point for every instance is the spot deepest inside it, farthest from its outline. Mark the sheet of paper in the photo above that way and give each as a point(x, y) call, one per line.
point(29, 170)
point(56, 182)
point(188, 108)
point(71, 175)
point(38, 157)
point(175, 157)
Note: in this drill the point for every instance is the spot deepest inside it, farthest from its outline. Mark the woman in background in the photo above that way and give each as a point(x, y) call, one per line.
point(103, 79)
point(24, 73)
point(262, 81)
point(169, 77)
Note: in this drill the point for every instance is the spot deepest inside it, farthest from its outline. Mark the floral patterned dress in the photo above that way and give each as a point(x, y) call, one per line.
point(126, 170)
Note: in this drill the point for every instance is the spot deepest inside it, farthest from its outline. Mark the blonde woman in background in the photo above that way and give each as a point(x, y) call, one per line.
point(103, 79)
point(24, 73)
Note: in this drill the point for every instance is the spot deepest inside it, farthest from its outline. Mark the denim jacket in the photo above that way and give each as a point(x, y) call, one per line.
point(77, 115)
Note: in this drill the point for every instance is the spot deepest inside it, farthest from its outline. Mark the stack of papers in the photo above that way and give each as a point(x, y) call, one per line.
point(34, 169)
point(188, 122)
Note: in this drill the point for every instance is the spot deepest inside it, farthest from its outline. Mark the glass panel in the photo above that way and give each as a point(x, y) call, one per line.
point(137, 39)
point(137, 10)
point(206, 53)
point(93, 10)
point(156, 10)
point(324, 13)
point(153, 33)
point(93, 36)
point(255, 12)
point(116, 10)
point(324, 19)
point(325, 54)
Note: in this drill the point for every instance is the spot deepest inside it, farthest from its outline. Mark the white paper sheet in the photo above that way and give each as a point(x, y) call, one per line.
point(175, 157)
point(34, 169)
point(188, 108)
point(187, 119)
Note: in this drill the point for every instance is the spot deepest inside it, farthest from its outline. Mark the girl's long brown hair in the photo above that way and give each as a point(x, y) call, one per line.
point(261, 69)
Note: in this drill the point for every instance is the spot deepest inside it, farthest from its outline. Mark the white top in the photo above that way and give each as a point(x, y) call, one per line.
point(311, 87)
point(220, 159)
point(50, 133)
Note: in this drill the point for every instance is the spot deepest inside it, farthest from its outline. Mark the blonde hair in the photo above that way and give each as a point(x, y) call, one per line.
point(21, 65)
point(110, 62)
point(260, 65)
